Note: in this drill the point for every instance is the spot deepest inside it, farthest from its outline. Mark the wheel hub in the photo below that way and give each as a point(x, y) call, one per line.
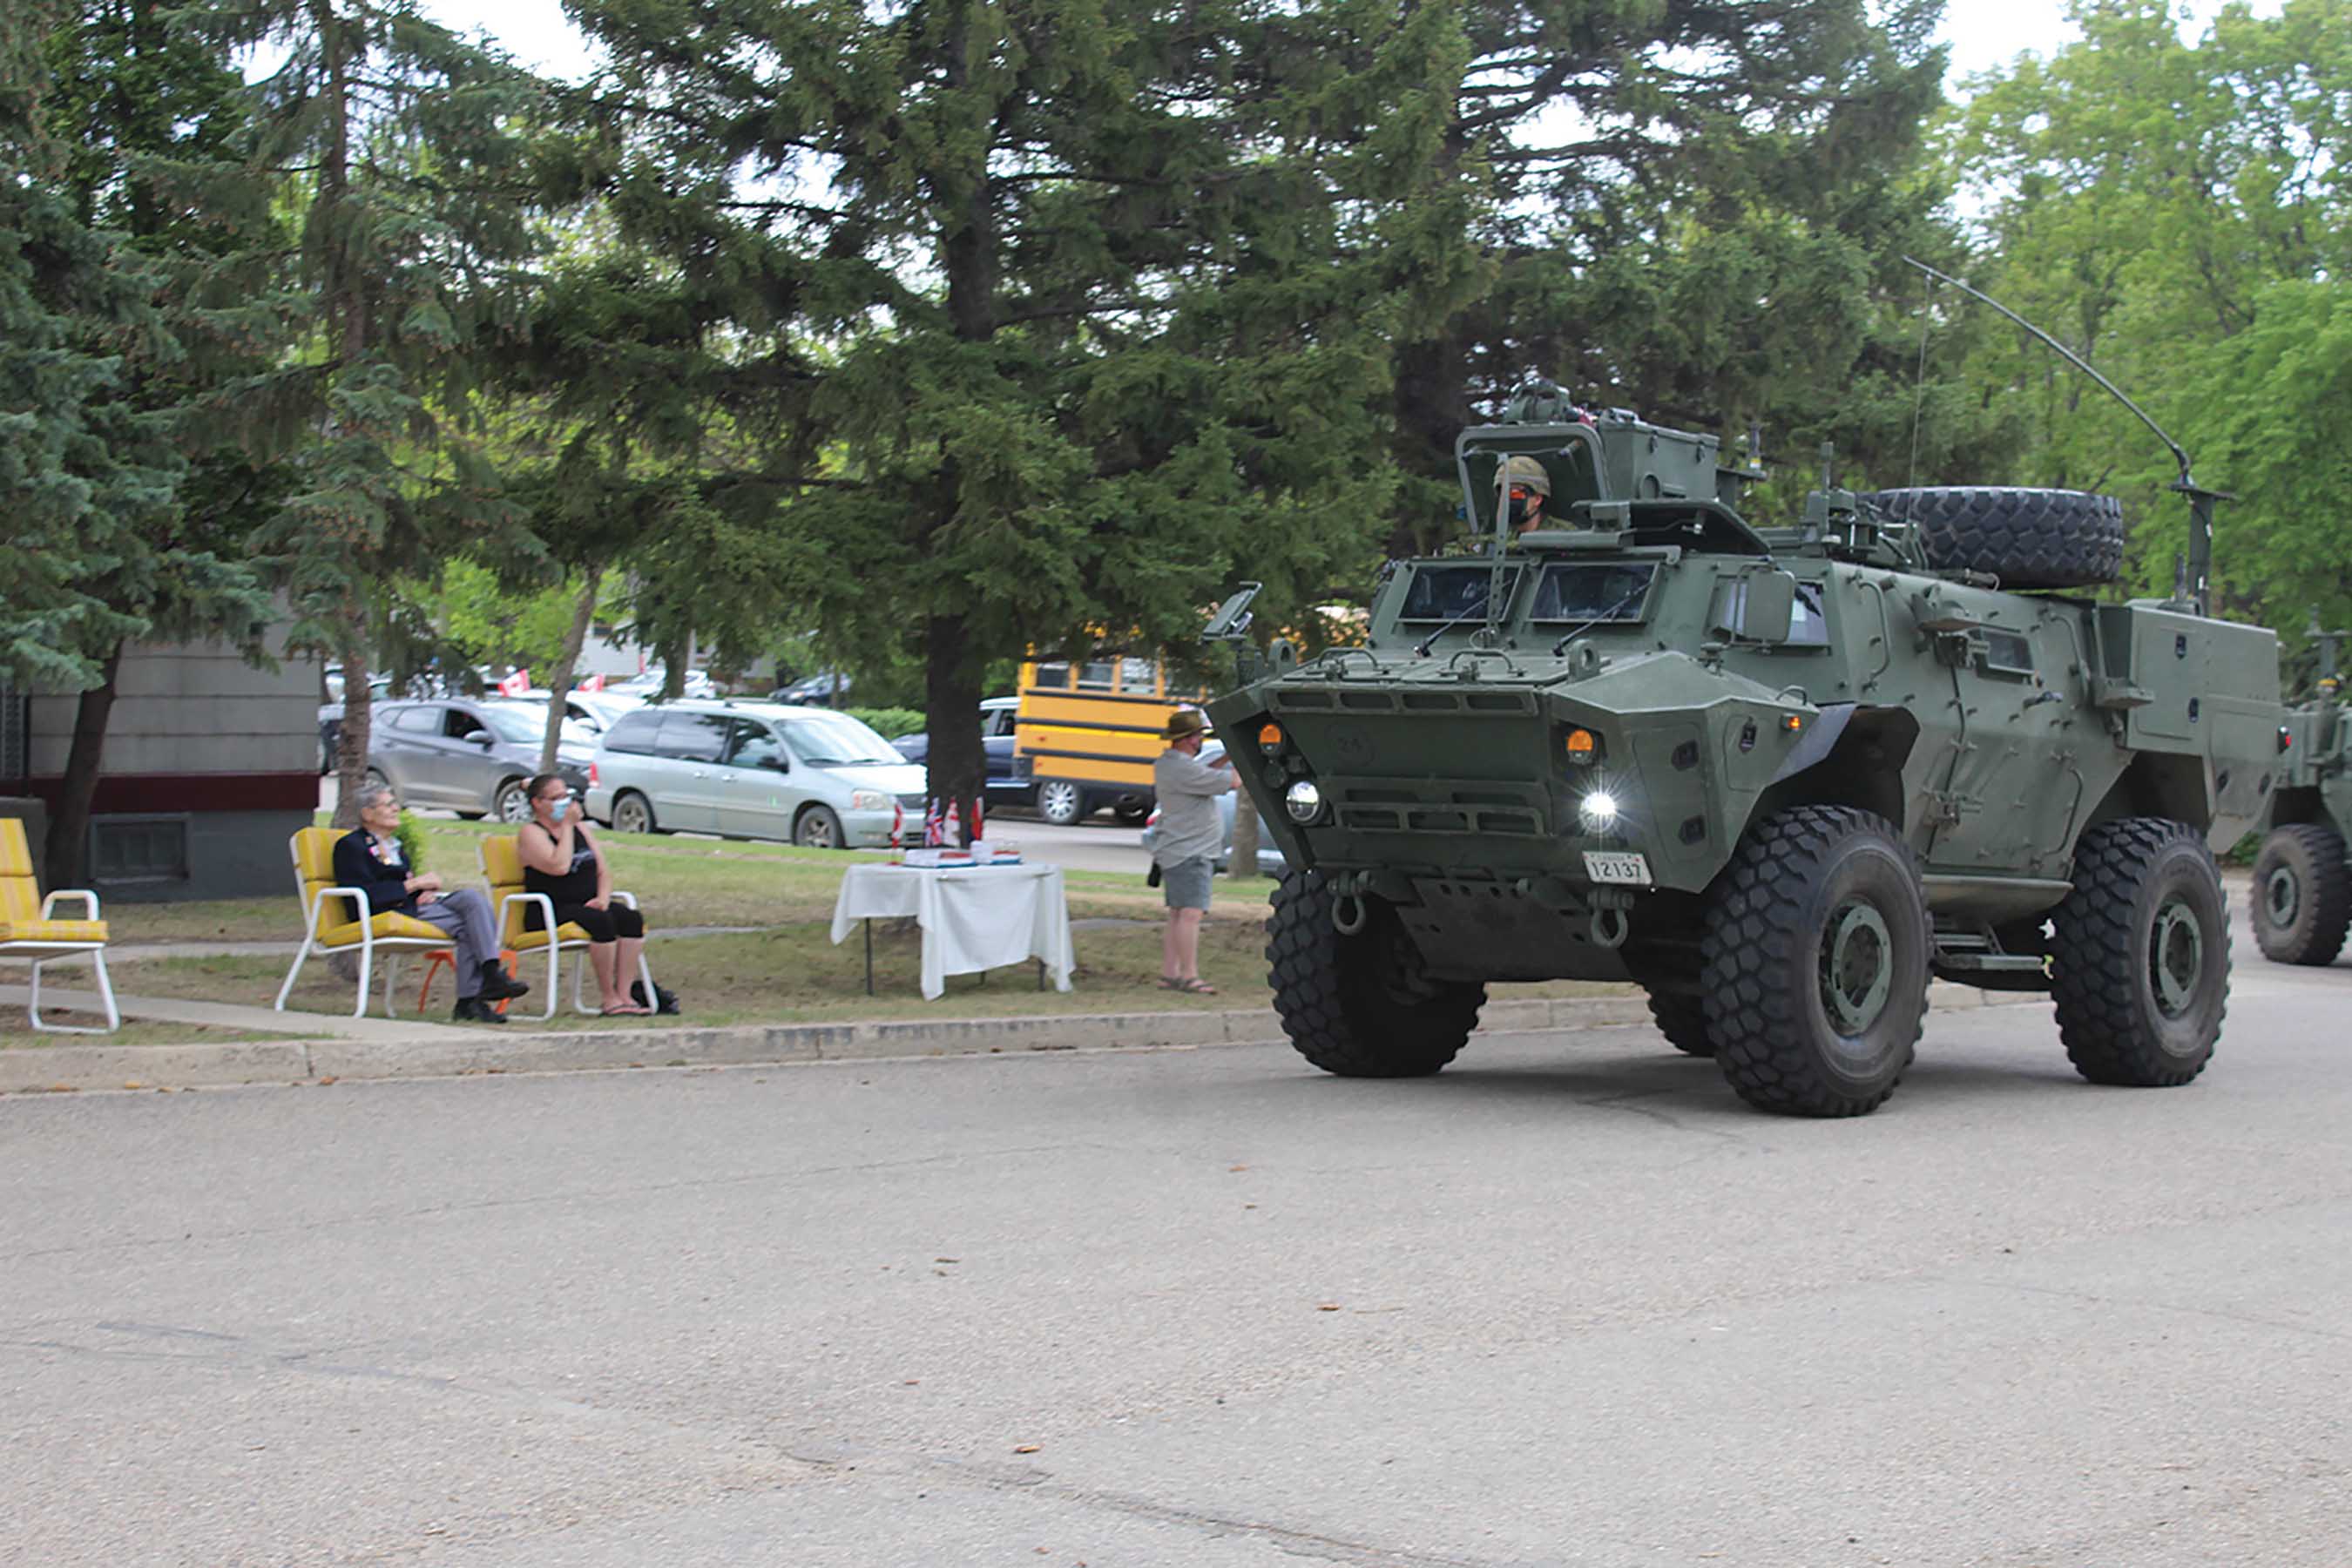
point(2176, 957)
point(2283, 896)
point(1857, 966)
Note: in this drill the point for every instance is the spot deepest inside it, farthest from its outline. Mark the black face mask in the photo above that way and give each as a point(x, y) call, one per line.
point(1523, 506)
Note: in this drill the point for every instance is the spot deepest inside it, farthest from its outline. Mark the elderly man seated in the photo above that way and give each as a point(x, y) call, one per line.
point(369, 858)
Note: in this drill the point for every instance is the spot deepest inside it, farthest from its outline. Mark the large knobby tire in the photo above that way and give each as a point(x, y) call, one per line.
point(2140, 955)
point(1815, 957)
point(1682, 1018)
point(1361, 1006)
point(2027, 538)
point(2303, 895)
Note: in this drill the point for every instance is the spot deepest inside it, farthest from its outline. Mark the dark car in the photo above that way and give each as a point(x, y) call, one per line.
point(472, 757)
point(818, 690)
point(1004, 786)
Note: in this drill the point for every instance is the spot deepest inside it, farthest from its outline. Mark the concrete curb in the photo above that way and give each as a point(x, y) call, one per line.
point(69, 1067)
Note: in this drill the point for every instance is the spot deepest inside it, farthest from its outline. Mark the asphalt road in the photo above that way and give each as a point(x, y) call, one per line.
point(1566, 1303)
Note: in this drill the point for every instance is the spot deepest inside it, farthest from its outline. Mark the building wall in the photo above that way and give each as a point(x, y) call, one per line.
point(210, 764)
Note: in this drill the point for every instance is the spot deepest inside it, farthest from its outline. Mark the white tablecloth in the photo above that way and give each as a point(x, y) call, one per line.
point(981, 917)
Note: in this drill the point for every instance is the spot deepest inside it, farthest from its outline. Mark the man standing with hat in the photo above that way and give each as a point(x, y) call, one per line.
point(1186, 851)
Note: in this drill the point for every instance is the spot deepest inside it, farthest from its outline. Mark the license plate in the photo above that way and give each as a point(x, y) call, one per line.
point(1617, 866)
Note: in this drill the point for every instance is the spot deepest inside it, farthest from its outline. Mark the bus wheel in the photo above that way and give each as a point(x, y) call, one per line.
point(1060, 802)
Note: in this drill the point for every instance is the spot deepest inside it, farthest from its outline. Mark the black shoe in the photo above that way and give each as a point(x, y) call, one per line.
point(474, 1010)
point(497, 985)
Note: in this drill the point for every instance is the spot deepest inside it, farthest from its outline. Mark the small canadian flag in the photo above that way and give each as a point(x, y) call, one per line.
point(593, 683)
point(515, 685)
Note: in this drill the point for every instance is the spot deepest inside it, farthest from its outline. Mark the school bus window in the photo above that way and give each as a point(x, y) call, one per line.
point(1098, 675)
point(1140, 676)
point(1056, 676)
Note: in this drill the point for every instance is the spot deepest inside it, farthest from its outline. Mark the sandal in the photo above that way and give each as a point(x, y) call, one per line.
point(1171, 983)
point(625, 1010)
point(1194, 987)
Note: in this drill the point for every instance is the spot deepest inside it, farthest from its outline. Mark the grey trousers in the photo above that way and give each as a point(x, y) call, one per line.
point(466, 915)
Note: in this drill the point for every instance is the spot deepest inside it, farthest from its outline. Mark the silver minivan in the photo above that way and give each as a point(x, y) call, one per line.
point(753, 770)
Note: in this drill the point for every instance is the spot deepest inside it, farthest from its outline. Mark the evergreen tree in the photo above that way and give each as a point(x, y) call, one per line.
point(381, 204)
point(1101, 291)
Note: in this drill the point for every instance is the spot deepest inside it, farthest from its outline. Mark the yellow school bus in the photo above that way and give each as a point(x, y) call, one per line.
point(1087, 733)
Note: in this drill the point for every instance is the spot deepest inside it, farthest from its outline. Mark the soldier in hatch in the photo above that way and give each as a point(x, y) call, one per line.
point(1522, 488)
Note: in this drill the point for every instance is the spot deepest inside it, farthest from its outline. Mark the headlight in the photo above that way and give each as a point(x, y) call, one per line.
point(869, 800)
point(1599, 811)
point(1304, 800)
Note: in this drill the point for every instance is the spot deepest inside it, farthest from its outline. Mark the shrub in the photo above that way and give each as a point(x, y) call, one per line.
point(888, 722)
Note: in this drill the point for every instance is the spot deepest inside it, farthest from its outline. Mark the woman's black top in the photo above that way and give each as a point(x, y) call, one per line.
point(577, 885)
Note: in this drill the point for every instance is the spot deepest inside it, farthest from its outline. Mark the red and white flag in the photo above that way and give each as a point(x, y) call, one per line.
point(931, 823)
point(898, 823)
point(593, 683)
point(515, 685)
point(954, 838)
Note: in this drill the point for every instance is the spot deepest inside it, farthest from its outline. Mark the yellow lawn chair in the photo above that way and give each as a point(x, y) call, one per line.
point(331, 923)
point(27, 927)
point(502, 870)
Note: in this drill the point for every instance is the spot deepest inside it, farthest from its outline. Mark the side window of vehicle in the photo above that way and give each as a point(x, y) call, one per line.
point(1053, 677)
point(1097, 675)
point(694, 737)
point(754, 745)
point(459, 724)
point(1000, 722)
point(634, 734)
point(426, 721)
point(1139, 677)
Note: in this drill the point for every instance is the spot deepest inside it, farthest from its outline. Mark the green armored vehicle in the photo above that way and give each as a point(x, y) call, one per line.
point(1778, 776)
point(2303, 885)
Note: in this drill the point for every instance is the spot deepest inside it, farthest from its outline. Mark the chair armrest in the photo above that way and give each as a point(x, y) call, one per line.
point(546, 910)
point(359, 904)
point(627, 898)
point(88, 899)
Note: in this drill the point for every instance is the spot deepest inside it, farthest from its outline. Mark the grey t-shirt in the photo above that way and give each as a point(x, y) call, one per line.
point(1188, 790)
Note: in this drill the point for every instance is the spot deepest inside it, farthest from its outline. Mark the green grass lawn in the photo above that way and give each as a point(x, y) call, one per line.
point(679, 881)
point(795, 973)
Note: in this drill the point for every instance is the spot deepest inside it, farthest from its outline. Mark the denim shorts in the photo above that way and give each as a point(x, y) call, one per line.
point(1186, 883)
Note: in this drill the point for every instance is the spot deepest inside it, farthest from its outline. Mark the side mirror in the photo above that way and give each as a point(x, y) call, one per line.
point(779, 763)
point(482, 738)
point(1770, 607)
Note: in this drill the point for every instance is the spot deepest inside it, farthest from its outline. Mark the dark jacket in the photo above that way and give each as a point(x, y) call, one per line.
point(357, 867)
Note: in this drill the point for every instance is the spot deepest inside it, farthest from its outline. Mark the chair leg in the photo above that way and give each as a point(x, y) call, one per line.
point(391, 970)
point(580, 985)
point(367, 968)
point(105, 996)
point(554, 982)
point(286, 990)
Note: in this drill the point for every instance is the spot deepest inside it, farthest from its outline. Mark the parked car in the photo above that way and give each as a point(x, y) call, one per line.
point(586, 715)
point(648, 684)
point(1270, 862)
point(471, 756)
point(819, 690)
point(753, 770)
point(1005, 786)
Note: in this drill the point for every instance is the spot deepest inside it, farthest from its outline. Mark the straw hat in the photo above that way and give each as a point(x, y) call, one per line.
point(1183, 722)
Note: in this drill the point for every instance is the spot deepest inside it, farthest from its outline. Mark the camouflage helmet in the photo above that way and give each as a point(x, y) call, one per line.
point(1525, 472)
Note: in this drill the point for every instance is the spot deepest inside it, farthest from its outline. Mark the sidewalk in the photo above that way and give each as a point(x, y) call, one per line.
point(345, 1048)
point(234, 1015)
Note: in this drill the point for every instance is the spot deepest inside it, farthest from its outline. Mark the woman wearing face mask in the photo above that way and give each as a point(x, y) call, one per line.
point(562, 859)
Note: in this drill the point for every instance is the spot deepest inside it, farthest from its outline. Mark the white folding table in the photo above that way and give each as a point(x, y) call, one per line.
point(973, 918)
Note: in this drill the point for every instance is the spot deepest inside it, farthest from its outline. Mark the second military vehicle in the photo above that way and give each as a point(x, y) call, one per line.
point(2302, 884)
point(1777, 776)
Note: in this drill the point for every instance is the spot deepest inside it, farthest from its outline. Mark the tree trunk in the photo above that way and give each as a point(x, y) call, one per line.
point(1245, 862)
point(68, 840)
point(558, 680)
point(674, 648)
point(957, 768)
point(359, 723)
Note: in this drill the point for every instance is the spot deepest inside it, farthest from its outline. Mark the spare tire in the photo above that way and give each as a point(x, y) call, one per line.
point(2027, 538)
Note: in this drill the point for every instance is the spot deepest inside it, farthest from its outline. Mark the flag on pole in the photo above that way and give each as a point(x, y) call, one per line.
point(954, 838)
point(515, 685)
point(898, 823)
point(593, 683)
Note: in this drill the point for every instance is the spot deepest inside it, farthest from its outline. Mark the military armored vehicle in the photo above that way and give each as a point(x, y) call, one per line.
point(2302, 884)
point(1779, 776)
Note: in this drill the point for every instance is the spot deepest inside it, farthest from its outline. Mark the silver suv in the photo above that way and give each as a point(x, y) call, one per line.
point(753, 770)
point(472, 756)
